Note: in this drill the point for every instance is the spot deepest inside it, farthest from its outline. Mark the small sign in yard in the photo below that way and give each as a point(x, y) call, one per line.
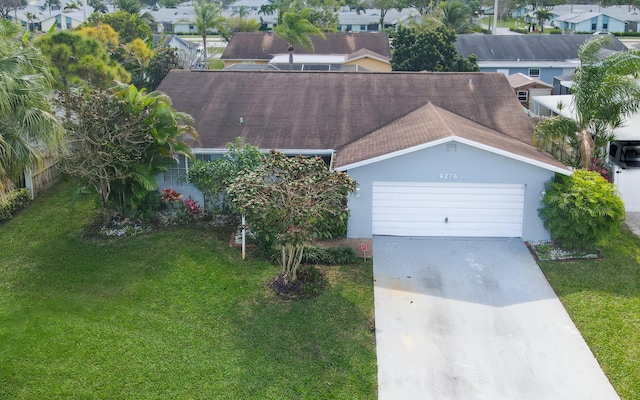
point(363, 246)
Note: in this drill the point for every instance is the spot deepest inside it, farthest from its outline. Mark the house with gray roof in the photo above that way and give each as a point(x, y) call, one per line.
point(537, 56)
point(589, 22)
point(434, 154)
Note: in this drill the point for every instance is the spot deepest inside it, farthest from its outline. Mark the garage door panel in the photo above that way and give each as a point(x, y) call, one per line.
point(447, 209)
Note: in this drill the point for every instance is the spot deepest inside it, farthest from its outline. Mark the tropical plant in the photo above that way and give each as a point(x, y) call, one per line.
point(130, 6)
point(30, 17)
point(120, 140)
point(28, 129)
point(296, 30)
point(289, 201)
point(455, 15)
point(543, 15)
point(605, 91)
point(208, 17)
point(581, 209)
point(129, 26)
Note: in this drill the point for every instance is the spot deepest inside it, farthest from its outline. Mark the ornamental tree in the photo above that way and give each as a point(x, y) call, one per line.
point(290, 201)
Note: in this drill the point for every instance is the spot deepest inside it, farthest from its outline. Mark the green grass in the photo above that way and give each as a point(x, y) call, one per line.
point(170, 314)
point(603, 299)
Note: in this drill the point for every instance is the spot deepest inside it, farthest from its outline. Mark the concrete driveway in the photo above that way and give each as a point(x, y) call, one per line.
point(474, 319)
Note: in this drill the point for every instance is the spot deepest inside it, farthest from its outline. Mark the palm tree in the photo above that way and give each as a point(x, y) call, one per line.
point(27, 127)
point(543, 15)
point(455, 15)
point(242, 12)
point(208, 16)
point(605, 91)
point(296, 30)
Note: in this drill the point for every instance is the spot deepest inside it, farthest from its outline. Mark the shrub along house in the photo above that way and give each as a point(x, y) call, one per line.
point(434, 154)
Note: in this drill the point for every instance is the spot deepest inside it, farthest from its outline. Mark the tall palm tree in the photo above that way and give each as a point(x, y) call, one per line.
point(543, 15)
point(27, 127)
point(296, 30)
point(208, 16)
point(605, 91)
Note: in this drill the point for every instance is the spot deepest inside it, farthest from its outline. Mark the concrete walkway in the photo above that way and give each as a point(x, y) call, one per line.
point(475, 319)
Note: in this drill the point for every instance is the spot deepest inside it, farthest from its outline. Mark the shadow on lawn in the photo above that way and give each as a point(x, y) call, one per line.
point(320, 347)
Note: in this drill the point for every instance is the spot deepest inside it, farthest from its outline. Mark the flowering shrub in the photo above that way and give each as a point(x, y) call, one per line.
point(598, 165)
point(170, 196)
point(192, 206)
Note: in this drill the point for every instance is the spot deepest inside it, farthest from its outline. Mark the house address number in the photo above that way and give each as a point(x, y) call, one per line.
point(446, 176)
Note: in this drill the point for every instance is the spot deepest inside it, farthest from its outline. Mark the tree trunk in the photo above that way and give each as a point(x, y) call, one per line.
point(291, 259)
point(204, 50)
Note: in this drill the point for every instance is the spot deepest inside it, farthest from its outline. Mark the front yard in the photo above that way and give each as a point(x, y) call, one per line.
point(170, 314)
point(176, 314)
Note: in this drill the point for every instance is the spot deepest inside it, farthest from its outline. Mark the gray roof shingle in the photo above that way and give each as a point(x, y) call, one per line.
point(361, 115)
point(526, 47)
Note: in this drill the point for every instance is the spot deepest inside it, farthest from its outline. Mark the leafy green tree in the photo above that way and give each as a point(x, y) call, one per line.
point(236, 24)
point(290, 201)
point(80, 60)
point(456, 15)
point(163, 61)
point(213, 177)
point(28, 129)
point(581, 209)
point(429, 50)
point(275, 7)
point(296, 30)
point(99, 6)
point(129, 26)
point(208, 17)
point(118, 142)
point(605, 91)
point(424, 7)
point(543, 15)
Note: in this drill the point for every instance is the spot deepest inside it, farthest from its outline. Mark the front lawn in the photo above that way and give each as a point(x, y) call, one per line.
point(603, 299)
point(170, 314)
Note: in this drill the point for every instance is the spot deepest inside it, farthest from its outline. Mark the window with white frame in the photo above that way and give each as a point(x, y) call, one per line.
point(534, 72)
point(523, 96)
point(177, 173)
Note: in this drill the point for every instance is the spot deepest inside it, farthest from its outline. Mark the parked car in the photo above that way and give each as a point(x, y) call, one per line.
point(625, 154)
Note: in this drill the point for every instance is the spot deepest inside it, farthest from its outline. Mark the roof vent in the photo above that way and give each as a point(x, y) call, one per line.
point(241, 120)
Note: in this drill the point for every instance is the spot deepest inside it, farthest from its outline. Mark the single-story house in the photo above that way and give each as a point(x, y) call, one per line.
point(537, 56)
point(589, 22)
point(526, 87)
point(370, 51)
point(434, 154)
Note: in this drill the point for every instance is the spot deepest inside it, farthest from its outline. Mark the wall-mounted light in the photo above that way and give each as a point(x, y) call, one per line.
point(357, 192)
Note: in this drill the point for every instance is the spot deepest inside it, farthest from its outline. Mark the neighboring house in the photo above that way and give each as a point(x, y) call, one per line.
point(537, 56)
point(434, 154)
point(627, 181)
point(370, 51)
point(562, 84)
point(589, 22)
point(526, 87)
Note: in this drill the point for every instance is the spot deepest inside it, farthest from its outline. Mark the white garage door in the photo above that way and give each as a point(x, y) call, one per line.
point(447, 209)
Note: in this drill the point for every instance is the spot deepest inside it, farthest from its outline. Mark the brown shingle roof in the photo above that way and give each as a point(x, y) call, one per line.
point(263, 46)
point(520, 80)
point(361, 115)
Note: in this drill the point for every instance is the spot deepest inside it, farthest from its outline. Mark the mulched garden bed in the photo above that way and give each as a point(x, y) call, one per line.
point(545, 250)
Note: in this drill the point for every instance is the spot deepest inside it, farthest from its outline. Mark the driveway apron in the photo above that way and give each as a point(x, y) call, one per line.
point(474, 319)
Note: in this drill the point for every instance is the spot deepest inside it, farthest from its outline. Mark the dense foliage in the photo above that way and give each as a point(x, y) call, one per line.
point(119, 140)
point(289, 201)
point(13, 201)
point(28, 128)
point(581, 209)
point(429, 50)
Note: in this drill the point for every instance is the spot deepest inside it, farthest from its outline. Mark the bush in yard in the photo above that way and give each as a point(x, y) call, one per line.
point(581, 209)
point(288, 201)
point(13, 201)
